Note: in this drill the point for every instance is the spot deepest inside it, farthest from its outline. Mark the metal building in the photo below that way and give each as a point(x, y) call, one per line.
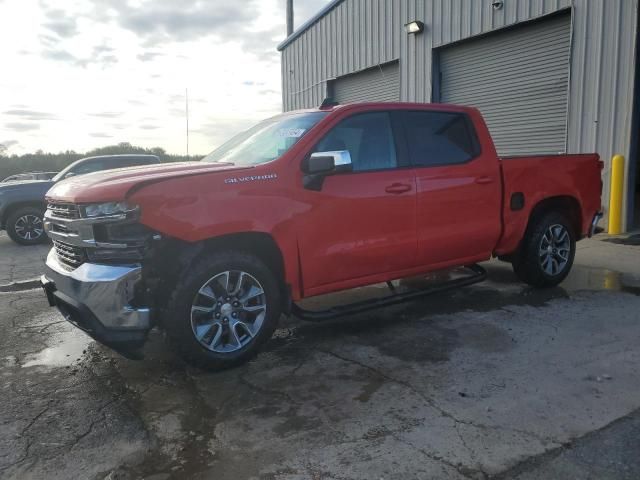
point(550, 76)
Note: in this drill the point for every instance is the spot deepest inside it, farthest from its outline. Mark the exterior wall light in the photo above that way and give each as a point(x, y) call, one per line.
point(414, 27)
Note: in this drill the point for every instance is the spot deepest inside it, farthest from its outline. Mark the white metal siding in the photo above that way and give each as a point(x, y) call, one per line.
point(378, 84)
point(519, 79)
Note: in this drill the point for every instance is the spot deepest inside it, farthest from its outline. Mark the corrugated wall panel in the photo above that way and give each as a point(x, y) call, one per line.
point(378, 84)
point(515, 77)
point(602, 56)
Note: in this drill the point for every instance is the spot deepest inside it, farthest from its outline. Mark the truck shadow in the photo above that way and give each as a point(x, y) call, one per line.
point(423, 337)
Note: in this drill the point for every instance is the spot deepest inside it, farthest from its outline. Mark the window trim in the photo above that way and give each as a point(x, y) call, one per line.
point(397, 130)
point(471, 129)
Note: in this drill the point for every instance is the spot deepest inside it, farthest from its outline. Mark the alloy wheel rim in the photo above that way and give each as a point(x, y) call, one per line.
point(29, 227)
point(555, 250)
point(228, 311)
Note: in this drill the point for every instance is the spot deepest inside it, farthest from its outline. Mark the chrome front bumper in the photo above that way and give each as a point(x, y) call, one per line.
point(97, 299)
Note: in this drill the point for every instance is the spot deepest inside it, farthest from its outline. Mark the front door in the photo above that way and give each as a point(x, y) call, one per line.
point(361, 224)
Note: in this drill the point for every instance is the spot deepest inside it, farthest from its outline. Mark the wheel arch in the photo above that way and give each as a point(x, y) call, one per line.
point(261, 244)
point(173, 256)
point(10, 209)
point(566, 205)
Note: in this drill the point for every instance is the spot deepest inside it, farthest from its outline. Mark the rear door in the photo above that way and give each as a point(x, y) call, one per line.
point(458, 188)
point(363, 223)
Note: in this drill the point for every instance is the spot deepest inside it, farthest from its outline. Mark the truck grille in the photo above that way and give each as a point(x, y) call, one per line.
point(69, 255)
point(64, 210)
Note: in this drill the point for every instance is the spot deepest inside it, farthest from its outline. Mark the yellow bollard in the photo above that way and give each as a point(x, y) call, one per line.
point(615, 195)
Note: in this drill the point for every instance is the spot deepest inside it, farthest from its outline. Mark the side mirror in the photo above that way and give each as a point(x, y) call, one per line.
point(322, 164)
point(70, 174)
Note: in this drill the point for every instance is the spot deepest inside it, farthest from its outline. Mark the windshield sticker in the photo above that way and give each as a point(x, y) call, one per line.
point(291, 132)
point(252, 178)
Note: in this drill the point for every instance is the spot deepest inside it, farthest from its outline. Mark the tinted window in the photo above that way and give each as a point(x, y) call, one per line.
point(88, 167)
point(368, 138)
point(439, 138)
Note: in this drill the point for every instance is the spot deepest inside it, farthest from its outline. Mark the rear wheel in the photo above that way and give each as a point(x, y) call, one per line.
point(25, 226)
point(224, 309)
point(547, 253)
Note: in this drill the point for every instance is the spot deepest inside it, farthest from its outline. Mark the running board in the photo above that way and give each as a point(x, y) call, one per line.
point(478, 275)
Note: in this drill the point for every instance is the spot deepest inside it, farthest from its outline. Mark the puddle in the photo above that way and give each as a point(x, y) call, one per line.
point(599, 279)
point(632, 240)
point(581, 278)
point(73, 344)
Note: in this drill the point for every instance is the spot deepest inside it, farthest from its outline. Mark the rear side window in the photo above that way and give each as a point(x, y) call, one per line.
point(440, 138)
point(89, 167)
point(369, 139)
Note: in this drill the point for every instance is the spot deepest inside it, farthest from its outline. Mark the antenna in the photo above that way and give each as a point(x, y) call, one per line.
point(289, 17)
point(186, 97)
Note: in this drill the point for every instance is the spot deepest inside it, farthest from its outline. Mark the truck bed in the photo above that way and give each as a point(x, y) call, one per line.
point(575, 179)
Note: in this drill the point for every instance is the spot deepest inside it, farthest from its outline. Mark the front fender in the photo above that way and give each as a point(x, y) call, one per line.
point(201, 208)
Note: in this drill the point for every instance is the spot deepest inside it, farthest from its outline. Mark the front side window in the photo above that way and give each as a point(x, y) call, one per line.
point(267, 141)
point(439, 138)
point(369, 139)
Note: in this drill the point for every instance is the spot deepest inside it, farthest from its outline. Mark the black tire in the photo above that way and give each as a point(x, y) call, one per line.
point(177, 320)
point(19, 229)
point(531, 266)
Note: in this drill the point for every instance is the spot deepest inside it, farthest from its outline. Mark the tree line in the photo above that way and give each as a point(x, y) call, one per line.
point(54, 162)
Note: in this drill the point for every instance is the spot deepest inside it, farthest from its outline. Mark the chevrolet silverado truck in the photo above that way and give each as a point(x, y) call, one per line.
point(22, 202)
point(304, 204)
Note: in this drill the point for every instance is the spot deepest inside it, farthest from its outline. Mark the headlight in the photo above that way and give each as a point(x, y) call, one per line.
point(107, 209)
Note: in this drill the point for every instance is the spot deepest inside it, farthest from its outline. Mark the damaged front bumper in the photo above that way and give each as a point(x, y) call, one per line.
point(98, 299)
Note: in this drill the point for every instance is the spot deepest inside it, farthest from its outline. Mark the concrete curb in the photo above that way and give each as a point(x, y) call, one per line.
point(20, 286)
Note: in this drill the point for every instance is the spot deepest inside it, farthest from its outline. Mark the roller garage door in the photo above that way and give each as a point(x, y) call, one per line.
point(519, 80)
point(378, 84)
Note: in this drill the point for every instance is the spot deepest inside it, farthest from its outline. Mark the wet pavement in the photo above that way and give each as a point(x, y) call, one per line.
point(496, 379)
point(18, 262)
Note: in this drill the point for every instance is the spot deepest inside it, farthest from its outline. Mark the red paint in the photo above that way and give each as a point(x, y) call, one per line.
point(361, 228)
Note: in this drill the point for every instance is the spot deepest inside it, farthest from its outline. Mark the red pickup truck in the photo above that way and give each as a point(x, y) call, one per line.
point(304, 204)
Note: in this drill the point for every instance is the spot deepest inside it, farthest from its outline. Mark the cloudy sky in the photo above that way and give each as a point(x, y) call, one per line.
point(79, 74)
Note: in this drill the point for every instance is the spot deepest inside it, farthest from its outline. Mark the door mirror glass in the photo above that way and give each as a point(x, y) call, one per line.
point(328, 163)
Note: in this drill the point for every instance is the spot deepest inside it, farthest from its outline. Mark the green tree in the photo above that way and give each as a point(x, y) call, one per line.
point(54, 162)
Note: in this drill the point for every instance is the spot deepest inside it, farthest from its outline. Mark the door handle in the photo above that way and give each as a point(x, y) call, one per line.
point(484, 180)
point(398, 188)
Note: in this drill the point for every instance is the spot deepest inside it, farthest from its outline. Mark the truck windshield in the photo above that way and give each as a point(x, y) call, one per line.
point(266, 141)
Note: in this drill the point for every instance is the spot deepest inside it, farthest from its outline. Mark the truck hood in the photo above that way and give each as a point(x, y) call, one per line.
point(115, 185)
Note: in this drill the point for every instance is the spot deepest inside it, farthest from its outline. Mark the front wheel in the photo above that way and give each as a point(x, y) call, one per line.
point(547, 253)
point(25, 226)
point(224, 308)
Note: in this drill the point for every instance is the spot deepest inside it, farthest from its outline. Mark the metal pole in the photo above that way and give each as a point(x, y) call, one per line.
point(616, 195)
point(289, 17)
point(186, 98)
